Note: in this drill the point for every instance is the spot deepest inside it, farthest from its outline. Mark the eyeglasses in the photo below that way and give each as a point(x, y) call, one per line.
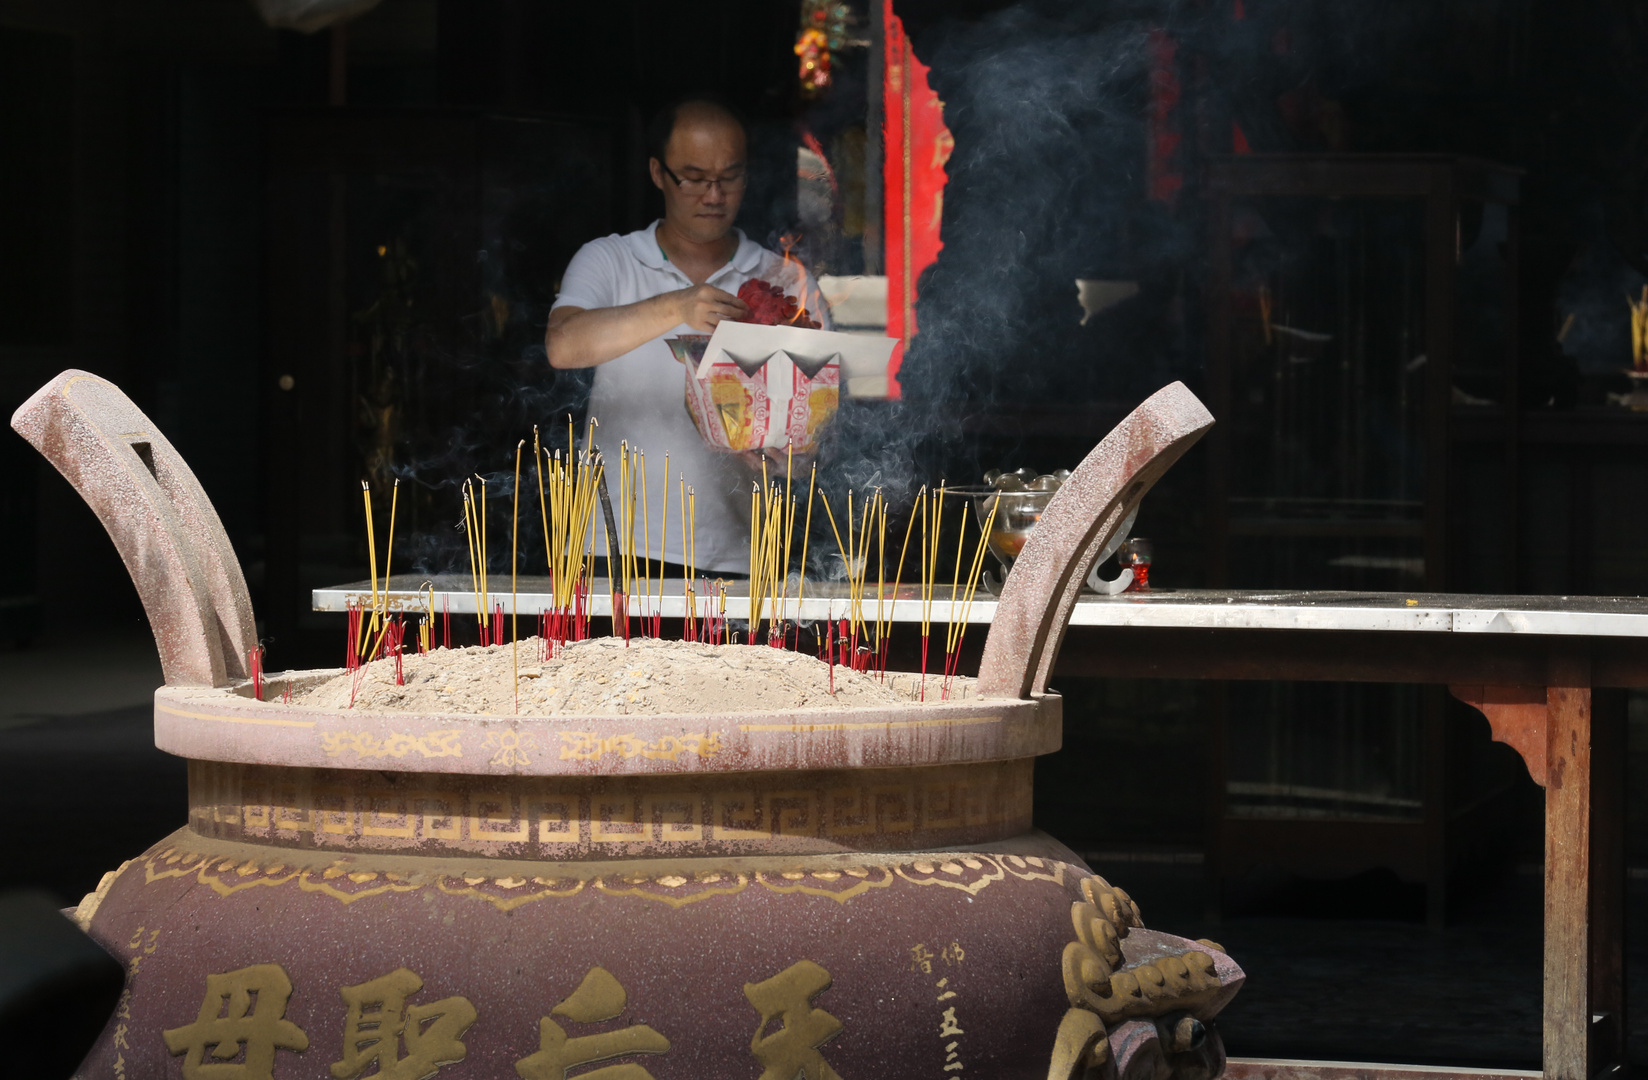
point(697, 187)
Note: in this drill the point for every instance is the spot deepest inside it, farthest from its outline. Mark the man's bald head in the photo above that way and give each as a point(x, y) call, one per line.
point(698, 111)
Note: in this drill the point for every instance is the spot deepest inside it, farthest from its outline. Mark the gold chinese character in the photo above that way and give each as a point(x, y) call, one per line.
point(599, 997)
point(234, 1027)
point(378, 1014)
point(948, 1025)
point(953, 954)
point(921, 959)
point(791, 1052)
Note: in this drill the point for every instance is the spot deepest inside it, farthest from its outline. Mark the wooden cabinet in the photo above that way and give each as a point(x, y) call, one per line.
point(1360, 307)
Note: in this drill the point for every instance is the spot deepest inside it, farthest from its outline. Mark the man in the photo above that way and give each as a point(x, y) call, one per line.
point(622, 296)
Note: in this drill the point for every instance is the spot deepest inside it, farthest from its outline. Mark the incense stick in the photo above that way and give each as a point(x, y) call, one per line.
point(514, 580)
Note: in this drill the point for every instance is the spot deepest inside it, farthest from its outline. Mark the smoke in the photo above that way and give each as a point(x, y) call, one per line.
point(1044, 188)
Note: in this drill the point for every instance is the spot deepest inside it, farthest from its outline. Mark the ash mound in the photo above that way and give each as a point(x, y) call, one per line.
point(606, 677)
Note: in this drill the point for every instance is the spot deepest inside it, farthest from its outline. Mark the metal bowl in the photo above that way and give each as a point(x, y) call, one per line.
point(1016, 514)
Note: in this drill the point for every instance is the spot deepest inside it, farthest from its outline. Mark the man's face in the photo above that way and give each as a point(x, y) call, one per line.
point(704, 146)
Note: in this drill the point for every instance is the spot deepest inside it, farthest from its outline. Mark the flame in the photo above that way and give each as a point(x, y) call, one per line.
point(794, 271)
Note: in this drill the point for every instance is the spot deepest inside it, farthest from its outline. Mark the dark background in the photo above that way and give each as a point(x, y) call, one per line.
point(157, 156)
point(191, 205)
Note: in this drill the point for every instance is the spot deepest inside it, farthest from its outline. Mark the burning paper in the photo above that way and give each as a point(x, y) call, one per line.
point(750, 387)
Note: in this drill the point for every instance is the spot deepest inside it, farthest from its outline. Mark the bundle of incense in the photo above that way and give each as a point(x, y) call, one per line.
point(569, 491)
point(855, 557)
point(958, 631)
point(1639, 330)
point(772, 530)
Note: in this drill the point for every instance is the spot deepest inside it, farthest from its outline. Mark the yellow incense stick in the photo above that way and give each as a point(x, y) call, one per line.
point(543, 507)
point(955, 585)
point(646, 533)
point(806, 535)
point(755, 562)
point(663, 536)
point(898, 574)
point(978, 566)
point(789, 523)
point(847, 561)
point(470, 536)
point(389, 555)
point(486, 597)
point(514, 580)
point(372, 565)
point(861, 558)
point(686, 588)
point(881, 566)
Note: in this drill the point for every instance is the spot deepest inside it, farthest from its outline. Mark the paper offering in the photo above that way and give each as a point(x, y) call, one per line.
point(750, 387)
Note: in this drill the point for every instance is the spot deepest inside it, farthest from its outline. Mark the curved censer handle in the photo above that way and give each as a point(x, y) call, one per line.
point(1082, 521)
point(159, 518)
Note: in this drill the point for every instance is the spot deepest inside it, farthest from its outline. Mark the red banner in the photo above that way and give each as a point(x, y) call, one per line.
point(917, 147)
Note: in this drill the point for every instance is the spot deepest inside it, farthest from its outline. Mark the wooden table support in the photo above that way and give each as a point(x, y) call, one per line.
point(1573, 742)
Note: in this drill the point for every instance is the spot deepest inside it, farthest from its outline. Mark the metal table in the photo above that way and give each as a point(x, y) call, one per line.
point(1548, 672)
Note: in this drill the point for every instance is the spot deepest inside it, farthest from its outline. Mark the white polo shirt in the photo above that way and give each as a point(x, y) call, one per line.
point(640, 397)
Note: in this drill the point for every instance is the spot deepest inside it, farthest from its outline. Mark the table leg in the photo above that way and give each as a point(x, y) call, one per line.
point(1574, 745)
point(1607, 932)
point(1568, 877)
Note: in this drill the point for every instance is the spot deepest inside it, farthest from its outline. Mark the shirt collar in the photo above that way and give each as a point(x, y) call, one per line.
point(644, 246)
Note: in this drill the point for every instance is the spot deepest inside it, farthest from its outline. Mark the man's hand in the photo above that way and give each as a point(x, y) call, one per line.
point(703, 307)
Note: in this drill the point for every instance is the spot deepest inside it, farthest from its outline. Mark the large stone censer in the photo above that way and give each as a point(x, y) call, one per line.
point(853, 893)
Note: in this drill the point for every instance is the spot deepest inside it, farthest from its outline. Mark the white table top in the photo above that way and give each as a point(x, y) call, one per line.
point(1418, 612)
